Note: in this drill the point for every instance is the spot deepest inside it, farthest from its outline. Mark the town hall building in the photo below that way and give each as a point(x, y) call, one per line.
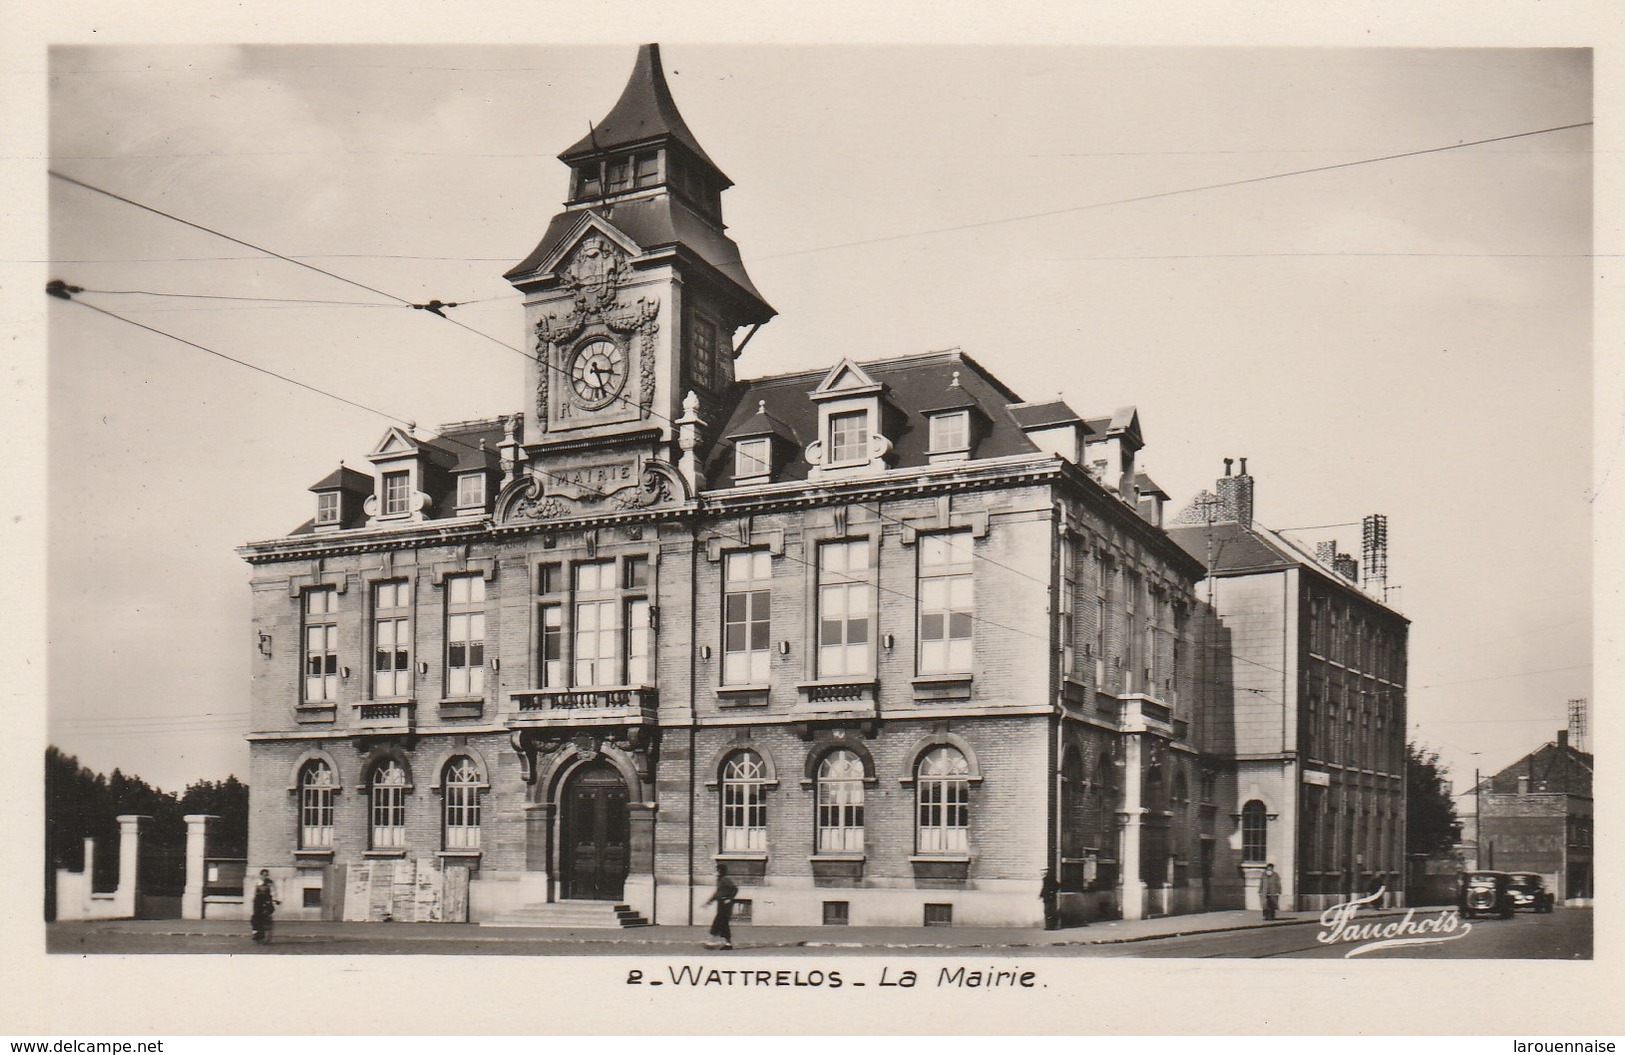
point(881, 639)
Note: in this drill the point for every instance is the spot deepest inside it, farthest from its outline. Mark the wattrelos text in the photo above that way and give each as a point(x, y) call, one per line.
point(890, 978)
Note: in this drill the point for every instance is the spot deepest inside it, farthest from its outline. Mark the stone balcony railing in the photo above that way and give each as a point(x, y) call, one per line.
point(1139, 712)
point(393, 716)
point(599, 705)
point(838, 697)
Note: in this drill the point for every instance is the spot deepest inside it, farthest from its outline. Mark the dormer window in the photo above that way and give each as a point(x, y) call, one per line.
point(753, 459)
point(470, 492)
point(397, 494)
point(848, 437)
point(327, 508)
point(950, 432)
point(589, 182)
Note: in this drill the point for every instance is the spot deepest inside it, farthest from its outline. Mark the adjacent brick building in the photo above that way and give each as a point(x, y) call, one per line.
point(1305, 679)
point(880, 638)
point(1536, 816)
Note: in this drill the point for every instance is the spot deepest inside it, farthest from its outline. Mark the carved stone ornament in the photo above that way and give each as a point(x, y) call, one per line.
point(638, 744)
point(661, 483)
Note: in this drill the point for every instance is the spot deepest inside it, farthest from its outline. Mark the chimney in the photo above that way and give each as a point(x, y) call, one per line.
point(1347, 567)
point(1562, 739)
point(1326, 552)
point(1236, 494)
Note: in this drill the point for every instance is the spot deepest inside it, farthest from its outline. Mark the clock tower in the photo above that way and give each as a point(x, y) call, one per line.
point(634, 295)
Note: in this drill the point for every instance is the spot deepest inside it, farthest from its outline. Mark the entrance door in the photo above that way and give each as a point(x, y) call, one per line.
point(594, 839)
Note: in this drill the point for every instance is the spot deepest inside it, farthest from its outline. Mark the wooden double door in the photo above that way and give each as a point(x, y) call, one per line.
point(594, 841)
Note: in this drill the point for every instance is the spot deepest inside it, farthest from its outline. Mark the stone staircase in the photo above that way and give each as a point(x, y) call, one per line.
point(570, 915)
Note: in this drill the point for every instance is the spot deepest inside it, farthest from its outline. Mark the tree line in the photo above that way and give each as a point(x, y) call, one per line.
point(81, 803)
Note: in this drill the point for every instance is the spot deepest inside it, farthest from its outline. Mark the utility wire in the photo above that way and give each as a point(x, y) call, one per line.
point(1169, 193)
point(220, 234)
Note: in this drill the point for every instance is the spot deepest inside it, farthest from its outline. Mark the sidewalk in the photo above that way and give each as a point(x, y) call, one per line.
point(746, 936)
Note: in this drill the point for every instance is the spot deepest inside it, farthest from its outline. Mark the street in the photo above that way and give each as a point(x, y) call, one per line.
point(1565, 934)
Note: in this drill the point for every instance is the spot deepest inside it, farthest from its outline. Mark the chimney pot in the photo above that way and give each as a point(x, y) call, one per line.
point(1227, 463)
point(1243, 467)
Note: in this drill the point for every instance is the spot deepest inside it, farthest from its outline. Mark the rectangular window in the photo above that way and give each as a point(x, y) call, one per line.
point(946, 602)
point(705, 351)
point(752, 457)
point(618, 173)
point(939, 915)
point(312, 897)
point(648, 169)
point(588, 181)
point(471, 491)
point(848, 438)
point(552, 646)
point(743, 910)
point(321, 645)
point(327, 507)
point(637, 641)
point(392, 640)
point(845, 597)
point(397, 493)
point(747, 606)
point(950, 431)
point(836, 913)
point(1067, 625)
point(595, 644)
point(465, 635)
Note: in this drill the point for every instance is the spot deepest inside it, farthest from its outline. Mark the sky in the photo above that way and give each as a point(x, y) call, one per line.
point(1409, 336)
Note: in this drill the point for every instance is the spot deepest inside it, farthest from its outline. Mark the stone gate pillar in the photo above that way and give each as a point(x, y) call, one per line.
point(197, 845)
point(129, 863)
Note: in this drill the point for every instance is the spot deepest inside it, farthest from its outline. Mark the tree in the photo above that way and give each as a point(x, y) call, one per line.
point(1431, 827)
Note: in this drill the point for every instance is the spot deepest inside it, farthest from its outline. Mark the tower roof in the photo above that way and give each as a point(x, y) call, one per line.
point(645, 113)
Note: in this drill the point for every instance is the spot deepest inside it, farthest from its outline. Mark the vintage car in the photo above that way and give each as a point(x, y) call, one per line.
point(1529, 892)
point(1485, 893)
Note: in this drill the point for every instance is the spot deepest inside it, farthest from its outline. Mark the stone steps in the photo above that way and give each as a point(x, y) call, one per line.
point(570, 915)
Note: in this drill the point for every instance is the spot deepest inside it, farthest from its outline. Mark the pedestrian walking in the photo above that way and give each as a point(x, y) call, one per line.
point(724, 896)
point(1050, 891)
point(265, 903)
point(1269, 889)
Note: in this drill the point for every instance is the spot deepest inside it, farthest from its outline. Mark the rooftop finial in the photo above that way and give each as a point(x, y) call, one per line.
point(955, 382)
point(761, 406)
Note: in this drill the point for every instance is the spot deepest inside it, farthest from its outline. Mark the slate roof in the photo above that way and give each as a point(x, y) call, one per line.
point(471, 445)
point(653, 223)
point(645, 113)
point(1045, 415)
point(913, 385)
point(344, 479)
point(1551, 767)
point(1235, 549)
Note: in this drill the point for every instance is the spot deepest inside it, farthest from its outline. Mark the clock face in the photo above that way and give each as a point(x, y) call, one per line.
point(598, 373)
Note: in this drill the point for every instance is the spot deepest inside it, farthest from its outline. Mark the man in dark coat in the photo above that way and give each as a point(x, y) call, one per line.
point(724, 896)
point(1269, 890)
point(265, 903)
point(1050, 891)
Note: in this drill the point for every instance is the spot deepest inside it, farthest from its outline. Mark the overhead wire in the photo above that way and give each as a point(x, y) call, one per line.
point(542, 360)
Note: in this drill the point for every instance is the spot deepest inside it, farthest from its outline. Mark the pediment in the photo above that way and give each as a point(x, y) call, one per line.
point(572, 252)
point(397, 443)
point(846, 379)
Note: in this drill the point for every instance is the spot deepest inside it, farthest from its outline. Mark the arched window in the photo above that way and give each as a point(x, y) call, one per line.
point(461, 789)
point(1254, 841)
point(943, 791)
point(316, 789)
point(387, 802)
point(744, 802)
point(840, 802)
